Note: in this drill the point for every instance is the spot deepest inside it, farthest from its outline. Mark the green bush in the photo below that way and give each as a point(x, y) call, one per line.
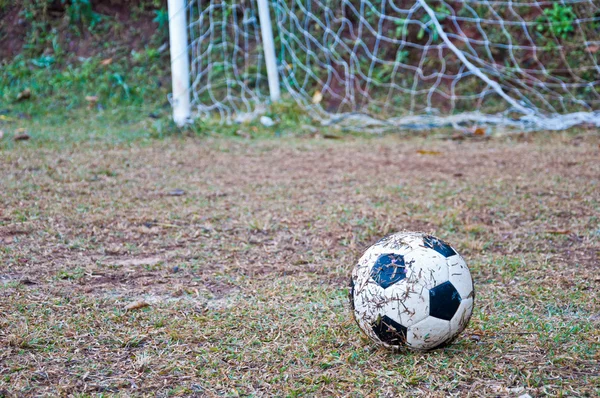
point(558, 20)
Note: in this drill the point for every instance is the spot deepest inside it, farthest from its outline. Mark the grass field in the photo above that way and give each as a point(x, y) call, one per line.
point(219, 267)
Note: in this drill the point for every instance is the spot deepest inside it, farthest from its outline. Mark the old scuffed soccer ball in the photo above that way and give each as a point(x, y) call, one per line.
point(412, 289)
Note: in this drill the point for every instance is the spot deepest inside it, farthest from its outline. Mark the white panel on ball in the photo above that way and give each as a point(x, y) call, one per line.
point(427, 267)
point(408, 303)
point(428, 334)
point(459, 275)
point(403, 242)
point(460, 320)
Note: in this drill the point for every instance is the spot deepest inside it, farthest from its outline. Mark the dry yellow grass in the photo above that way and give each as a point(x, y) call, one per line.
point(113, 282)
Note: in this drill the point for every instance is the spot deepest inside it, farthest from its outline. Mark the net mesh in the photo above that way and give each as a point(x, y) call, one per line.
point(418, 63)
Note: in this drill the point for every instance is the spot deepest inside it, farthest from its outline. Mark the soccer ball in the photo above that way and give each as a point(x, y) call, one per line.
point(412, 289)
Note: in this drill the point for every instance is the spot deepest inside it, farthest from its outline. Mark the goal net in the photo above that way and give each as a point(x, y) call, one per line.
point(409, 63)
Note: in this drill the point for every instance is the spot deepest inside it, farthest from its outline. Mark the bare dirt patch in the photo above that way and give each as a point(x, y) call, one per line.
point(7, 235)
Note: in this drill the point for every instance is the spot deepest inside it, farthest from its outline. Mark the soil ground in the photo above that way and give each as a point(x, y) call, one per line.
point(127, 24)
point(219, 267)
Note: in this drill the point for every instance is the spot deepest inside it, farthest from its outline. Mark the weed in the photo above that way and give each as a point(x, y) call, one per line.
point(401, 27)
point(162, 19)
point(557, 20)
point(81, 14)
point(441, 13)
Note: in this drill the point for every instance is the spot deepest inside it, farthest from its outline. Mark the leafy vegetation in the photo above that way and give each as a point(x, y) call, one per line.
point(81, 13)
point(441, 13)
point(56, 83)
point(78, 49)
point(112, 76)
point(162, 18)
point(558, 20)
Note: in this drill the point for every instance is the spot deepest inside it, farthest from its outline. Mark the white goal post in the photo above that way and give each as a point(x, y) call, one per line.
point(180, 64)
point(523, 64)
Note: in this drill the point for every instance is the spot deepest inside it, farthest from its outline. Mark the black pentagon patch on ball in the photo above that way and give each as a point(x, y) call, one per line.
point(389, 331)
point(438, 245)
point(444, 300)
point(388, 269)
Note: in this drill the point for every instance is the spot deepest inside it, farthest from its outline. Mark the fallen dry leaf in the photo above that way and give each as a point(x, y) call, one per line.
point(27, 282)
point(21, 135)
point(136, 305)
point(593, 48)
point(317, 97)
point(559, 231)
point(92, 101)
point(426, 152)
point(23, 95)
point(176, 192)
point(243, 134)
point(134, 262)
point(479, 131)
point(145, 230)
point(106, 61)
